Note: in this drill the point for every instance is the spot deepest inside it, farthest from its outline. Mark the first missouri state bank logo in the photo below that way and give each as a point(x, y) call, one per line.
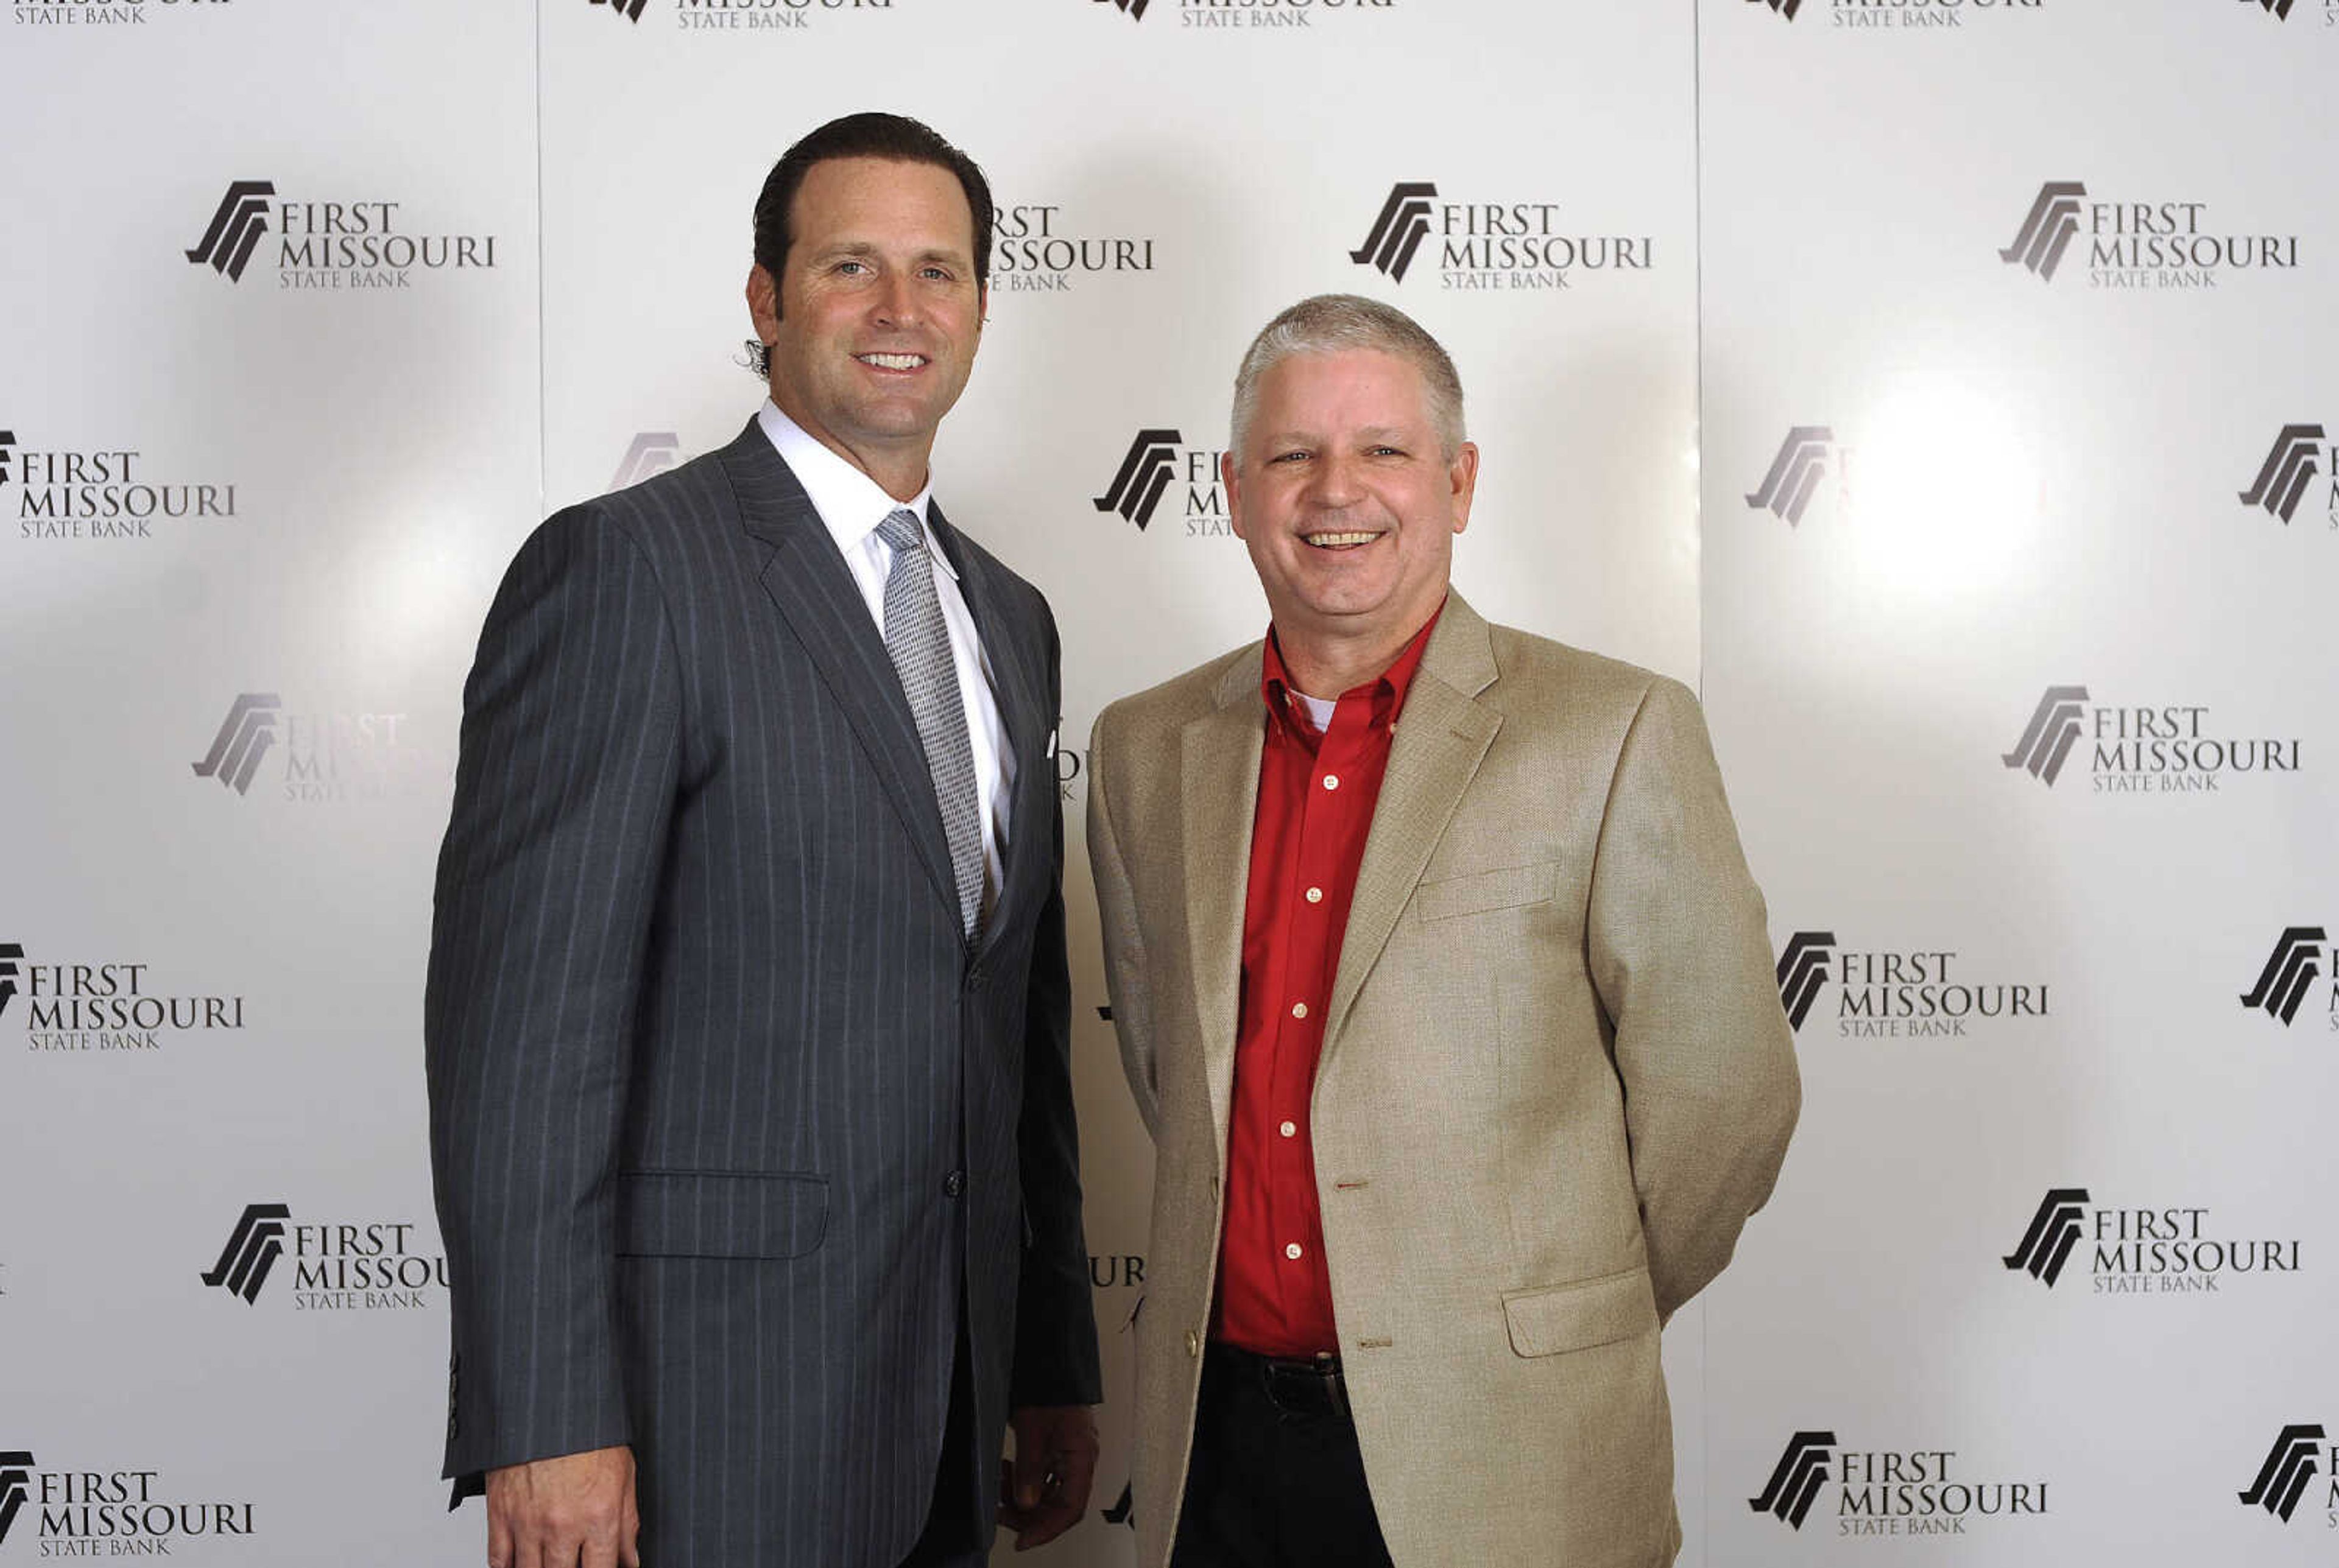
point(365, 1266)
point(2166, 748)
point(1157, 465)
point(1803, 459)
point(2172, 1250)
point(1898, 1491)
point(12, 953)
point(2301, 1451)
point(2301, 957)
point(1933, 15)
point(1144, 474)
point(251, 1251)
point(86, 1508)
point(1490, 245)
point(1802, 1470)
point(1899, 992)
point(650, 452)
point(2140, 244)
point(322, 757)
point(243, 739)
point(2302, 454)
point(16, 1481)
point(341, 245)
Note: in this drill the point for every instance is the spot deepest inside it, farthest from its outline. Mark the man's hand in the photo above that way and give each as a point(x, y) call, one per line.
point(577, 1509)
point(1045, 1489)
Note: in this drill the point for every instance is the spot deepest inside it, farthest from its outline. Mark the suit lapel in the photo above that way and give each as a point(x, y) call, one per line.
point(814, 591)
point(1442, 735)
point(1018, 689)
point(1219, 790)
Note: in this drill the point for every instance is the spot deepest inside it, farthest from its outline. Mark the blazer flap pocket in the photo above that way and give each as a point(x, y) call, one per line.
point(1486, 889)
point(720, 1213)
point(1578, 1317)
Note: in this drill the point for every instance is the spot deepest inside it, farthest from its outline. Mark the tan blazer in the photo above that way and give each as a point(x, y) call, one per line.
point(1555, 1080)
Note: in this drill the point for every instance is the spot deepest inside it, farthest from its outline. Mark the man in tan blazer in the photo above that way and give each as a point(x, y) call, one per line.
point(1444, 989)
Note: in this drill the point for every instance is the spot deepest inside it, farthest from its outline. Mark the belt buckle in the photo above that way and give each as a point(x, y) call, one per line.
point(1318, 1387)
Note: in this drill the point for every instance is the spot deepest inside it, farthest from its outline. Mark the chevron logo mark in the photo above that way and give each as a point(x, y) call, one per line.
point(2282, 984)
point(2280, 8)
point(2282, 1479)
point(2053, 731)
point(8, 446)
point(652, 452)
point(252, 1250)
point(1786, 8)
point(631, 10)
point(2054, 1231)
point(2289, 468)
point(1795, 473)
point(1802, 970)
point(1398, 232)
point(243, 740)
point(1802, 1468)
point(16, 1486)
point(2054, 220)
point(236, 228)
point(10, 952)
point(1136, 8)
point(1144, 474)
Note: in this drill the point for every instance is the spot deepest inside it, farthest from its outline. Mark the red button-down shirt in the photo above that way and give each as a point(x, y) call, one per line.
point(1316, 797)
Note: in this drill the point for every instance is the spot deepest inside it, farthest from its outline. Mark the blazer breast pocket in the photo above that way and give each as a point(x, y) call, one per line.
point(1487, 889)
point(720, 1213)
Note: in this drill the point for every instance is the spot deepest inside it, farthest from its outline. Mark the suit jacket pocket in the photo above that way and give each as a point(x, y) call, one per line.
point(1485, 890)
point(720, 1213)
point(1561, 1318)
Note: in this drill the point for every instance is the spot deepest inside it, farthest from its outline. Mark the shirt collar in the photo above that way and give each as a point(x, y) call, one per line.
point(850, 503)
point(1386, 690)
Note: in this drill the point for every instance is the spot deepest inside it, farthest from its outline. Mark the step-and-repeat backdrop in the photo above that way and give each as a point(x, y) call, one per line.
point(1949, 387)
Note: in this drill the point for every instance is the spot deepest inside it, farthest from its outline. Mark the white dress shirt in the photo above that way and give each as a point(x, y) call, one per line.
point(851, 505)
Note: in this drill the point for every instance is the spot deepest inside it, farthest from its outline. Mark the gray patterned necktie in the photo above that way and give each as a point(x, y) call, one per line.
point(920, 644)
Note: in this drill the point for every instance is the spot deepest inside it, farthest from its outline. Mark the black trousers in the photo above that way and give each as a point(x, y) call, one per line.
point(952, 1531)
point(1276, 1480)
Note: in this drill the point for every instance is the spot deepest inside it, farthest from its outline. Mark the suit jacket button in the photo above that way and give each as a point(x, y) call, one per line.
point(1193, 1344)
point(954, 1184)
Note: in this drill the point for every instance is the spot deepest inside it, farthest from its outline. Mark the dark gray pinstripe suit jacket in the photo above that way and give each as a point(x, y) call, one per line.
point(722, 1113)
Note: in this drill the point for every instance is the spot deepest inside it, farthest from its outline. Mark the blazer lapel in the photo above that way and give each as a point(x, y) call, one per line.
point(814, 591)
point(1019, 690)
point(1219, 790)
point(1442, 735)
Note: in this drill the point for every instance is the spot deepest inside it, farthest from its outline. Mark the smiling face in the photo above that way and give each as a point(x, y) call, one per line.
point(874, 326)
point(1347, 501)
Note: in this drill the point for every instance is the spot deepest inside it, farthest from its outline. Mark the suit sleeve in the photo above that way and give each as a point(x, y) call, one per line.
point(1124, 946)
point(1055, 1314)
point(546, 885)
point(1680, 953)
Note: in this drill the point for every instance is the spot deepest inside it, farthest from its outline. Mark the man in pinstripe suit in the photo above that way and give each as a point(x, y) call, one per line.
point(748, 1018)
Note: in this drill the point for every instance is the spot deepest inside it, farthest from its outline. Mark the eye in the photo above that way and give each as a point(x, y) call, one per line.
point(1295, 455)
point(851, 268)
point(936, 274)
point(1385, 451)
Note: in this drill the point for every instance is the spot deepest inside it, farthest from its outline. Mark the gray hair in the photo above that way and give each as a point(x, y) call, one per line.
point(1332, 323)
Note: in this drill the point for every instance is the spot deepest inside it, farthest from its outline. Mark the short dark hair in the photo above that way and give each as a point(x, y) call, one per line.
point(872, 134)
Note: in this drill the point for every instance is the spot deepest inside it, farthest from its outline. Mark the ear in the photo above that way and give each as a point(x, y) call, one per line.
point(1228, 475)
point(764, 303)
point(1463, 475)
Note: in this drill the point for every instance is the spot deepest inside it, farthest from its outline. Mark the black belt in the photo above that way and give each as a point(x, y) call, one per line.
point(1294, 1387)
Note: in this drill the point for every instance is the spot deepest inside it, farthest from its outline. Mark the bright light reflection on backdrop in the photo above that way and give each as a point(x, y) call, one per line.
point(1945, 486)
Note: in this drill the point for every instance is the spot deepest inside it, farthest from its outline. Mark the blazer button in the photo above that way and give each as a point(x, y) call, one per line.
point(954, 1184)
point(1193, 1345)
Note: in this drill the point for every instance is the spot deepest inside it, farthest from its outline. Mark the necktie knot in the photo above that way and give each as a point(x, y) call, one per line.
point(901, 531)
